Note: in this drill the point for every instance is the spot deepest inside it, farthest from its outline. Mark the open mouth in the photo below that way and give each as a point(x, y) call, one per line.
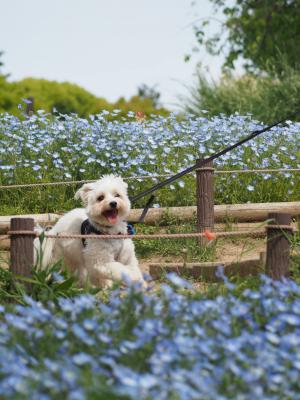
point(111, 216)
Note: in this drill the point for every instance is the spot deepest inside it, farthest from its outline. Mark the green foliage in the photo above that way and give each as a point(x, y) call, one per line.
point(295, 253)
point(146, 92)
point(8, 99)
point(268, 98)
point(144, 105)
point(67, 98)
point(263, 32)
point(44, 285)
point(185, 249)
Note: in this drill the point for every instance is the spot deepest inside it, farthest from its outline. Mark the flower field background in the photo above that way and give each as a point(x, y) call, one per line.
point(172, 344)
point(223, 342)
point(47, 148)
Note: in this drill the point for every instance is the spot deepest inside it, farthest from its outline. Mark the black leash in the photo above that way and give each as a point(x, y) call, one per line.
point(146, 208)
point(211, 158)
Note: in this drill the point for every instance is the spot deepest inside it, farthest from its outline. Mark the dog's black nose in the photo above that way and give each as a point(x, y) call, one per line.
point(113, 204)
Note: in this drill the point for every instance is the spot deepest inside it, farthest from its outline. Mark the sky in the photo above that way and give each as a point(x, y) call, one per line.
point(109, 47)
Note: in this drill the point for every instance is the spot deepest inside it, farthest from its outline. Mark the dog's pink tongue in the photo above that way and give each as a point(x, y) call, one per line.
point(112, 216)
point(112, 219)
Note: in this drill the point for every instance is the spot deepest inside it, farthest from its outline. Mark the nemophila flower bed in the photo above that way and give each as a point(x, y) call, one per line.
point(173, 344)
point(65, 147)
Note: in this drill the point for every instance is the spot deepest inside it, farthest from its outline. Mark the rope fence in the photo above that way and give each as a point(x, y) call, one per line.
point(207, 234)
point(216, 172)
point(211, 235)
point(22, 235)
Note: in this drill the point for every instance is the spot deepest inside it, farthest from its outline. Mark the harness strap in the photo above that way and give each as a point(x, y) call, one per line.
point(88, 229)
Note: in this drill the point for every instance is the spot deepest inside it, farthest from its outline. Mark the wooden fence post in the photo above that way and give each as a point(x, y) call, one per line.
point(21, 246)
point(278, 246)
point(205, 199)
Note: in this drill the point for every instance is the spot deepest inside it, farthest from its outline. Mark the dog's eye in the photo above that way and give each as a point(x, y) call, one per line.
point(100, 198)
point(117, 195)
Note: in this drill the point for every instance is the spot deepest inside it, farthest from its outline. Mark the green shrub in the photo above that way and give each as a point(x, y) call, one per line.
point(268, 98)
point(67, 98)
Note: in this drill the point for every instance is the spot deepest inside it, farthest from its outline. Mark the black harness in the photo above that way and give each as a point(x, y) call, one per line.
point(88, 229)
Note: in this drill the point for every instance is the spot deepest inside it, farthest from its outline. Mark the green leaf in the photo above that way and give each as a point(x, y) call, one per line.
point(64, 285)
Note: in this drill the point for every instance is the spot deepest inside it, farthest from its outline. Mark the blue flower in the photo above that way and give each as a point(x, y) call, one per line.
point(177, 281)
point(82, 358)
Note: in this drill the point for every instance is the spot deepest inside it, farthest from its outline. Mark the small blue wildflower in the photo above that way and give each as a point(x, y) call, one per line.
point(82, 358)
point(177, 281)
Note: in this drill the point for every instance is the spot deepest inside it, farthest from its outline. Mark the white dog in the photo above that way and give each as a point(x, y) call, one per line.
point(100, 261)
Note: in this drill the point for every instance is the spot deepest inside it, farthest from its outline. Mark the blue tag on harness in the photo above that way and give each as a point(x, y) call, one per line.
point(130, 229)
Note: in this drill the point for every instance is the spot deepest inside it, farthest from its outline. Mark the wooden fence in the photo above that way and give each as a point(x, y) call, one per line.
point(278, 232)
point(277, 252)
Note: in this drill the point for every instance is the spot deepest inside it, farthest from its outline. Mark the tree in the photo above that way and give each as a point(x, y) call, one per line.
point(147, 92)
point(66, 98)
point(262, 32)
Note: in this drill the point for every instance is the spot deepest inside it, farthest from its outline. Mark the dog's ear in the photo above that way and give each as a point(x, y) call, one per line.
point(83, 192)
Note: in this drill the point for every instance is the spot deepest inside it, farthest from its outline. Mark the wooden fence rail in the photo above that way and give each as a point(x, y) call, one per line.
point(242, 213)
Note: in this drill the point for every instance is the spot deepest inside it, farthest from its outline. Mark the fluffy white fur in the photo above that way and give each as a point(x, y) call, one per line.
point(100, 261)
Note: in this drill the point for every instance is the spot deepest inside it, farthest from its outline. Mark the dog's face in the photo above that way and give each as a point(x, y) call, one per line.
point(106, 200)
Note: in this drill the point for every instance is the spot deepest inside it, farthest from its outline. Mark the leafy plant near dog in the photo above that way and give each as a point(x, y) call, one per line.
point(295, 250)
point(44, 285)
point(175, 343)
point(66, 147)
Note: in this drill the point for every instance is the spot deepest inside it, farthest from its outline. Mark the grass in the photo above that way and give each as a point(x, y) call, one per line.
point(187, 249)
point(45, 285)
point(56, 281)
point(267, 97)
point(181, 251)
point(295, 258)
point(229, 189)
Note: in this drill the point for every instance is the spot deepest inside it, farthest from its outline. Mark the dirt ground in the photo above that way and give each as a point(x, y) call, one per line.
point(227, 251)
point(240, 250)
